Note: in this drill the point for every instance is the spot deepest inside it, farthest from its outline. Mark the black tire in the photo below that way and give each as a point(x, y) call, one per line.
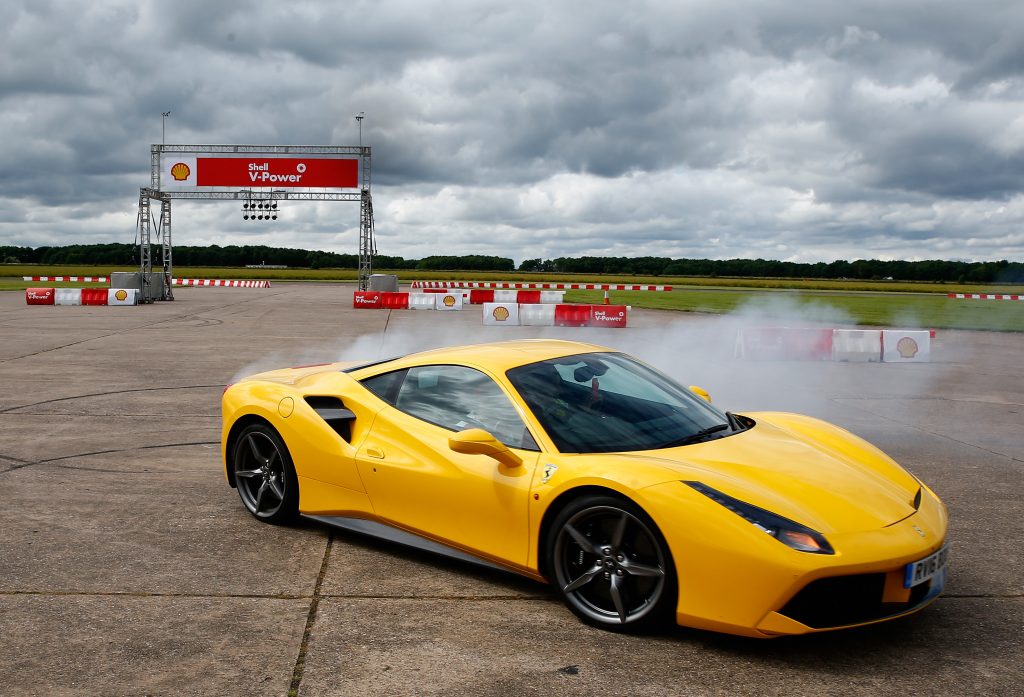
point(265, 476)
point(611, 564)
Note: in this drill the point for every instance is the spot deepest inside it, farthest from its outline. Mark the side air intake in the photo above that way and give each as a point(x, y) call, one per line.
point(333, 411)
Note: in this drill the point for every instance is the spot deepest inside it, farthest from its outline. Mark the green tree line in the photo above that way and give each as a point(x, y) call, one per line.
point(233, 255)
point(862, 269)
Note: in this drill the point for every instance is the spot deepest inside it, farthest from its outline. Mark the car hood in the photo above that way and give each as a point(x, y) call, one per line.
point(804, 469)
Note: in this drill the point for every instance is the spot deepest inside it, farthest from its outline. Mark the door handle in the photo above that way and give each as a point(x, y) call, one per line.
point(375, 453)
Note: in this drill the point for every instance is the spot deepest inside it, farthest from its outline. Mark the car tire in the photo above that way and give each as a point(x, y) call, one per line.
point(265, 476)
point(611, 564)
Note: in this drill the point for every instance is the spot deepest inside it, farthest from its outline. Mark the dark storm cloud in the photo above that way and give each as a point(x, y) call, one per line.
point(789, 130)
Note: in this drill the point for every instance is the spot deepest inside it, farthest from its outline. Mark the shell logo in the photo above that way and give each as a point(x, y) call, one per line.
point(500, 313)
point(449, 301)
point(906, 347)
point(180, 172)
point(121, 295)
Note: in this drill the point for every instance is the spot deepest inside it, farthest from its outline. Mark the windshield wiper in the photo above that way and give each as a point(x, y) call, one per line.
point(696, 437)
point(735, 422)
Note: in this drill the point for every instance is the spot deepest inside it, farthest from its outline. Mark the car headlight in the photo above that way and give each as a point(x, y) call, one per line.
point(790, 533)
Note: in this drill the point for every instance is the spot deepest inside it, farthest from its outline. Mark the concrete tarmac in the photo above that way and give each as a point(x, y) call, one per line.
point(129, 567)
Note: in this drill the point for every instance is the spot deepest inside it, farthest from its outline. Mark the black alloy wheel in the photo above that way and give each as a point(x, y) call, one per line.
point(611, 564)
point(265, 476)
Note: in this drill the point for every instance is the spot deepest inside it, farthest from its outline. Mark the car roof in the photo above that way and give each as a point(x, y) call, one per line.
point(497, 356)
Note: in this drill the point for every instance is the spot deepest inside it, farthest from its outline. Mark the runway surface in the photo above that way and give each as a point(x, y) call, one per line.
point(128, 566)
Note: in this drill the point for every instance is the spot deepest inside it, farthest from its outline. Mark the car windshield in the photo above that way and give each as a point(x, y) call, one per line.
point(609, 402)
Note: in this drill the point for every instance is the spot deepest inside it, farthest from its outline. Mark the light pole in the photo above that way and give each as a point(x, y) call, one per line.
point(163, 126)
point(359, 117)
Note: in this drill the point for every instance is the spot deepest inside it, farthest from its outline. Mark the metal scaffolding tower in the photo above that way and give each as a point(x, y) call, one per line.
point(154, 287)
point(367, 247)
point(166, 292)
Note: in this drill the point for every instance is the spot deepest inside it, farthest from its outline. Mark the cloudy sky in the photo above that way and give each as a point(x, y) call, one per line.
point(804, 131)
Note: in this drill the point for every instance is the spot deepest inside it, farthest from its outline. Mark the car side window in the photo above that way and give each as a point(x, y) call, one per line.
point(457, 398)
point(385, 386)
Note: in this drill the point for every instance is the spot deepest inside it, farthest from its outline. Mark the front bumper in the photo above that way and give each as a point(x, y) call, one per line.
point(849, 601)
point(733, 578)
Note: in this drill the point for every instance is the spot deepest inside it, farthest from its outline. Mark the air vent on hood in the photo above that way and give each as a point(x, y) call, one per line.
point(333, 411)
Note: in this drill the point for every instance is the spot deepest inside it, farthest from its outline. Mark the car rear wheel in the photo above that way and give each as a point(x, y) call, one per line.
point(265, 476)
point(611, 564)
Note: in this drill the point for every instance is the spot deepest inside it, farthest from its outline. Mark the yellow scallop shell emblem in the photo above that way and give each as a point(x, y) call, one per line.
point(906, 347)
point(500, 313)
point(449, 301)
point(180, 172)
point(121, 295)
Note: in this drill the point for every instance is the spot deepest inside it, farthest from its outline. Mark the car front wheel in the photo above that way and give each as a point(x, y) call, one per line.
point(265, 476)
point(611, 564)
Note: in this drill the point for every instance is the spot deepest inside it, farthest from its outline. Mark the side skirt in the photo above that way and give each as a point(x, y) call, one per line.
point(391, 534)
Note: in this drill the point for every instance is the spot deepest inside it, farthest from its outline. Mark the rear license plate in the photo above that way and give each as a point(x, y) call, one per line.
point(917, 572)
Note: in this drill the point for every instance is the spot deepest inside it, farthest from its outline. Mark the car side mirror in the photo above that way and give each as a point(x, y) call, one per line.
point(476, 441)
point(701, 392)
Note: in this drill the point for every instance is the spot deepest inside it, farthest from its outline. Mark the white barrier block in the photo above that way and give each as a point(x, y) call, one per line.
point(537, 315)
point(506, 314)
point(422, 301)
point(552, 296)
point(905, 346)
point(506, 296)
point(123, 296)
point(857, 345)
point(449, 301)
point(67, 296)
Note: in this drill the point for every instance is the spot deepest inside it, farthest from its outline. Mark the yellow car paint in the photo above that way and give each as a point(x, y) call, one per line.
point(732, 577)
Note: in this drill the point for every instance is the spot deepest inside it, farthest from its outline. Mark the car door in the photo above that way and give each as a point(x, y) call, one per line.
point(413, 477)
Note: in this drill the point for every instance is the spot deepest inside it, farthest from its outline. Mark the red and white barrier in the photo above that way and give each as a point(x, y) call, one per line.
point(387, 300)
point(535, 315)
point(984, 296)
point(778, 343)
point(94, 296)
point(479, 296)
point(501, 314)
point(219, 282)
point(547, 315)
point(122, 296)
point(394, 301)
point(841, 345)
point(857, 345)
point(422, 301)
point(902, 346)
point(367, 299)
point(40, 296)
point(517, 285)
point(612, 316)
point(448, 301)
point(81, 296)
point(174, 281)
point(68, 279)
point(512, 296)
point(67, 296)
point(573, 315)
point(442, 291)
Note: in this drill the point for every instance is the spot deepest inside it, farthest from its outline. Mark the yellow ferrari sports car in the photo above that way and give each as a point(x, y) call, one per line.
point(581, 466)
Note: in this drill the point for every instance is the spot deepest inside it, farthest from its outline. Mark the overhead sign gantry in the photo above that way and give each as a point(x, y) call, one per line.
point(256, 176)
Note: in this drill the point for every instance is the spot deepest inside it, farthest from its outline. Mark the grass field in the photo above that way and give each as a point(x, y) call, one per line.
point(877, 303)
point(907, 311)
